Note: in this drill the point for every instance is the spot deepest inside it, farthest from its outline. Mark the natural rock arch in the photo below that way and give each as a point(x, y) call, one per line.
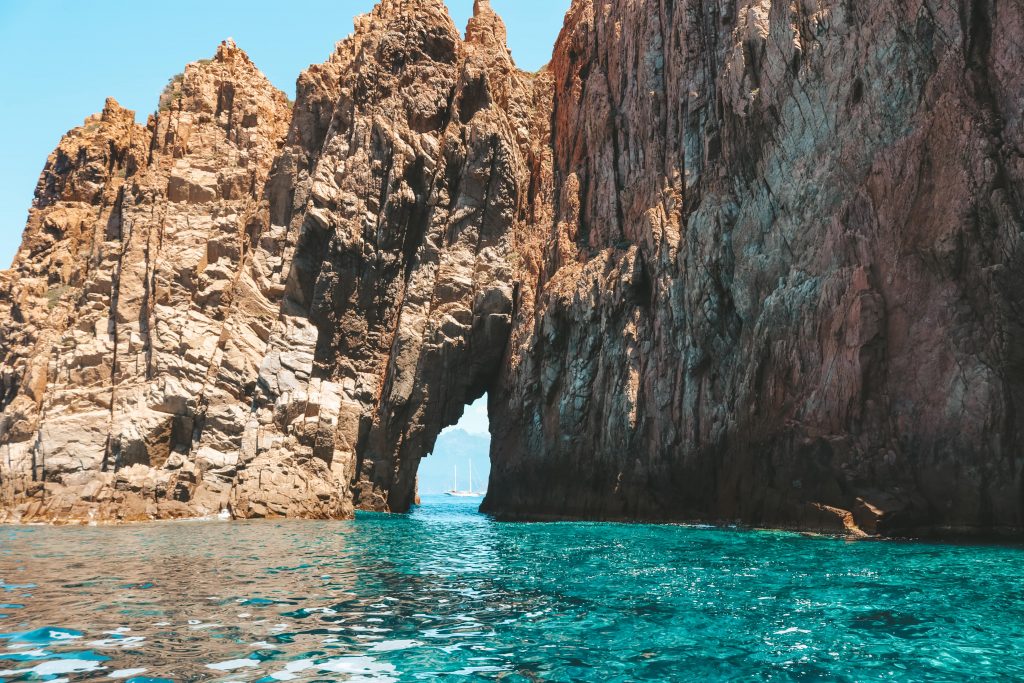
point(409, 258)
point(716, 261)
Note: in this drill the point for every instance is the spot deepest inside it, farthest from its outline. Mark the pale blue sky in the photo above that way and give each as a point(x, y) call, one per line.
point(62, 58)
point(474, 420)
point(436, 470)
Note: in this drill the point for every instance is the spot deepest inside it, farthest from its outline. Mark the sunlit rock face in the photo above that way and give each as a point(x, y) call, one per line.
point(721, 261)
point(137, 311)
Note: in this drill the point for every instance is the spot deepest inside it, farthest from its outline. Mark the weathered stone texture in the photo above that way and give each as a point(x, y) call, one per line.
point(752, 260)
point(141, 341)
point(399, 302)
point(785, 276)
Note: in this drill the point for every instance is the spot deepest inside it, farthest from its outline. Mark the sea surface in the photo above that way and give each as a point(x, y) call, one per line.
point(445, 593)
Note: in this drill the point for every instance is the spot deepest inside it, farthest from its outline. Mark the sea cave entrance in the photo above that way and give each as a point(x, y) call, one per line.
point(460, 451)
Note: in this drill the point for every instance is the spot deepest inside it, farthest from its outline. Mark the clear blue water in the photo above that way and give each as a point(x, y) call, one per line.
point(447, 594)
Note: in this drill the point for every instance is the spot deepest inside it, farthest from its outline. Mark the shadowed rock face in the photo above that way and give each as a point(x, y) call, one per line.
point(784, 279)
point(751, 261)
point(399, 303)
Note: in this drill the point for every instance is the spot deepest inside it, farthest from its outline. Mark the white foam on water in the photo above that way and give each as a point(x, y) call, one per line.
point(118, 642)
point(368, 668)
point(321, 610)
point(291, 669)
point(233, 664)
point(792, 629)
point(393, 645)
point(57, 666)
point(34, 654)
point(127, 673)
point(63, 635)
point(473, 670)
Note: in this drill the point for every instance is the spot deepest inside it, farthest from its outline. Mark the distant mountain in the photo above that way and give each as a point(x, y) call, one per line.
point(456, 448)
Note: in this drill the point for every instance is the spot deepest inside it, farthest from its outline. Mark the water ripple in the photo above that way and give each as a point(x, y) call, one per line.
point(447, 593)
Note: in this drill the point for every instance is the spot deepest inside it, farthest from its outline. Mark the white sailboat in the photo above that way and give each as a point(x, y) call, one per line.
point(455, 485)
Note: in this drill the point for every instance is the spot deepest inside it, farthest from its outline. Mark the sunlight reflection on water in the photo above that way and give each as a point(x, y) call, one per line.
point(447, 592)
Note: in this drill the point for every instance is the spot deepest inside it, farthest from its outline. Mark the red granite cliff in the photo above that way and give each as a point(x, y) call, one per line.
point(730, 261)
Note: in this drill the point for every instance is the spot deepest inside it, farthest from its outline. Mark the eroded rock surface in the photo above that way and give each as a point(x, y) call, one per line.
point(399, 303)
point(135, 334)
point(752, 261)
point(784, 282)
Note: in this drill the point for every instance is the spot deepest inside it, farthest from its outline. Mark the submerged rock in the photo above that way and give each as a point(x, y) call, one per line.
point(723, 261)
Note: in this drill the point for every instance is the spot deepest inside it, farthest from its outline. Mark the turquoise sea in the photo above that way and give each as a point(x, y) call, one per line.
point(447, 594)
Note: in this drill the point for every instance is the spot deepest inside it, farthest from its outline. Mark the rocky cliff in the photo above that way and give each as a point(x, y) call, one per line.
point(784, 277)
point(136, 309)
point(753, 261)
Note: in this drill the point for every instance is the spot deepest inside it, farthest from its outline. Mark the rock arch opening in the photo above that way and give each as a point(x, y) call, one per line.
point(460, 459)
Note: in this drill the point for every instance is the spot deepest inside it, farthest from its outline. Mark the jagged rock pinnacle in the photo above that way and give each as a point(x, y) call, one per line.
point(386, 8)
point(486, 28)
point(113, 111)
point(228, 52)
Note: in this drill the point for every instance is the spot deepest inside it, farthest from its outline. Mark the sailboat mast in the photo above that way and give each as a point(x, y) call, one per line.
point(471, 476)
point(455, 484)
